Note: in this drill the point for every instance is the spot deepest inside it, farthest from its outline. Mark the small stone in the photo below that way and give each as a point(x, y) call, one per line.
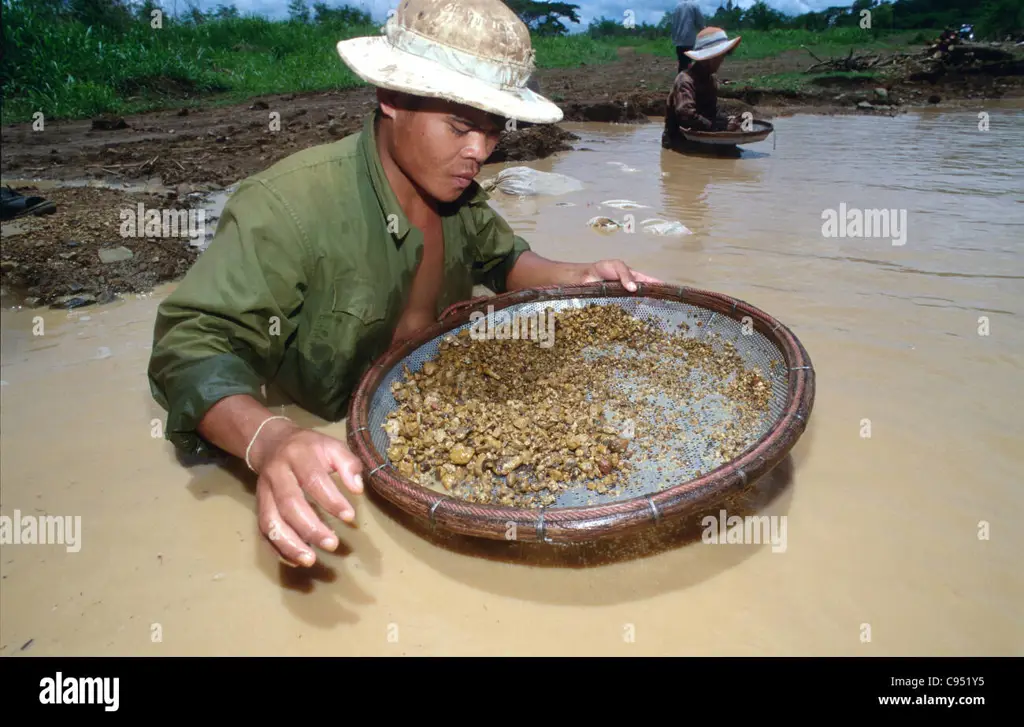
point(115, 255)
point(461, 454)
point(68, 302)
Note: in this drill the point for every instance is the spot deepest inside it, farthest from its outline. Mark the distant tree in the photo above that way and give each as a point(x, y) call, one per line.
point(544, 18)
point(603, 28)
point(298, 11)
point(1001, 18)
point(761, 17)
point(345, 15)
point(194, 16)
point(618, 28)
point(144, 10)
point(882, 16)
point(113, 14)
point(727, 16)
point(226, 11)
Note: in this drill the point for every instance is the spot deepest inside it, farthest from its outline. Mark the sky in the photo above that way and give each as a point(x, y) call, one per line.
point(644, 11)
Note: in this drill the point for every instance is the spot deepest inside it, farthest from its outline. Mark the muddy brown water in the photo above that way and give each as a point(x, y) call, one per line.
point(902, 501)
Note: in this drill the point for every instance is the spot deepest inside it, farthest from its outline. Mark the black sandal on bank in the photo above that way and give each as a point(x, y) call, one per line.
point(14, 205)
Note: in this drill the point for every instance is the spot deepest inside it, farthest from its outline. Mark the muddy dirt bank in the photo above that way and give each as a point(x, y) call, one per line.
point(216, 146)
point(97, 246)
point(56, 260)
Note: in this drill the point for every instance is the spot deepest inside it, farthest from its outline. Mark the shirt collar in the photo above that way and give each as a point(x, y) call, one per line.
point(382, 188)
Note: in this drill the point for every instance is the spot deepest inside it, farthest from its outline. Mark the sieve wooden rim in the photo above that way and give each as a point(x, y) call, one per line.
point(590, 522)
point(730, 137)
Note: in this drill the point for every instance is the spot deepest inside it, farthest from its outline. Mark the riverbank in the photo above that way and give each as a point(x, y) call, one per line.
point(179, 157)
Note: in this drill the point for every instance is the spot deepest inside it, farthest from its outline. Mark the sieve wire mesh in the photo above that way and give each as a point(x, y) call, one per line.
point(707, 407)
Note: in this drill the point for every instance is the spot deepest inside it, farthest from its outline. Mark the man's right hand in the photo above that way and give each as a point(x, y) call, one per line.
point(291, 463)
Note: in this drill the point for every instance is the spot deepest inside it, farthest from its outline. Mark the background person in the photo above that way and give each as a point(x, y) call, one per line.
point(685, 22)
point(693, 101)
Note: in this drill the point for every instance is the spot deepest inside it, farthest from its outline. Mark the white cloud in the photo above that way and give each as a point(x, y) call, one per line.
point(650, 11)
point(645, 11)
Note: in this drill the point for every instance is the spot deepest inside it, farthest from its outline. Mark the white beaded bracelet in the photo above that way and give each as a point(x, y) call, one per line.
point(253, 440)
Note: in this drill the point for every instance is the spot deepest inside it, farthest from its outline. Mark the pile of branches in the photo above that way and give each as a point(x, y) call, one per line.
point(855, 63)
point(955, 55)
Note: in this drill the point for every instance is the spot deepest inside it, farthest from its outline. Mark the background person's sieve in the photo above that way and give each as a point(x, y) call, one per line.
point(657, 486)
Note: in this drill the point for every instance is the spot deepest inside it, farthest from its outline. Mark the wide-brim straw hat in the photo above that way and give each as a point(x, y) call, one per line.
point(471, 52)
point(711, 43)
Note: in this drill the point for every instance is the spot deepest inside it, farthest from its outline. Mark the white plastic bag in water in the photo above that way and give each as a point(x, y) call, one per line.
point(654, 226)
point(659, 226)
point(624, 204)
point(526, 182)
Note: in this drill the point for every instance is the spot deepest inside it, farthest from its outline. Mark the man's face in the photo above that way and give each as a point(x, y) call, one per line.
point(440, 145)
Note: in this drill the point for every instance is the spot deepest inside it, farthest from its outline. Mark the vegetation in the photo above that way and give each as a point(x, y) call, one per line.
point(800, 81)
point(992, 19)
point(76, 58)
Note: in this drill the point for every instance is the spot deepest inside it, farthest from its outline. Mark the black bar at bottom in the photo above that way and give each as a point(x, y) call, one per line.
point(962, 688)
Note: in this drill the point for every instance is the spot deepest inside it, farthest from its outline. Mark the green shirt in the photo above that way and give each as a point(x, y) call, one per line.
point(304, 282)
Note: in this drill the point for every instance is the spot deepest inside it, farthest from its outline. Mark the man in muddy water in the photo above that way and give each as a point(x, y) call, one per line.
point(693, 101)
point(334, 253)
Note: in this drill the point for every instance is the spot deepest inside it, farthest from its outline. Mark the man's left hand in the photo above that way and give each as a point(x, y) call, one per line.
point(614, 270)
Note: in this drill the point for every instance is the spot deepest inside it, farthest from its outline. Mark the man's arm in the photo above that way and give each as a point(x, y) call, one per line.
point(504, 261)
point(233, 421)
point(685, 106)
point(222, 332)
point(531, 271)
point(219, 336)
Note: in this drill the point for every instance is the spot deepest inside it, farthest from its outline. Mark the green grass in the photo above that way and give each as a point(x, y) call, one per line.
point(767, 43)
point(573, 51)
point(68, 70)
point(799, 81)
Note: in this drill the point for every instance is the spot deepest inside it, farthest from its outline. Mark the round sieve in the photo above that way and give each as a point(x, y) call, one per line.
point(678, 474)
